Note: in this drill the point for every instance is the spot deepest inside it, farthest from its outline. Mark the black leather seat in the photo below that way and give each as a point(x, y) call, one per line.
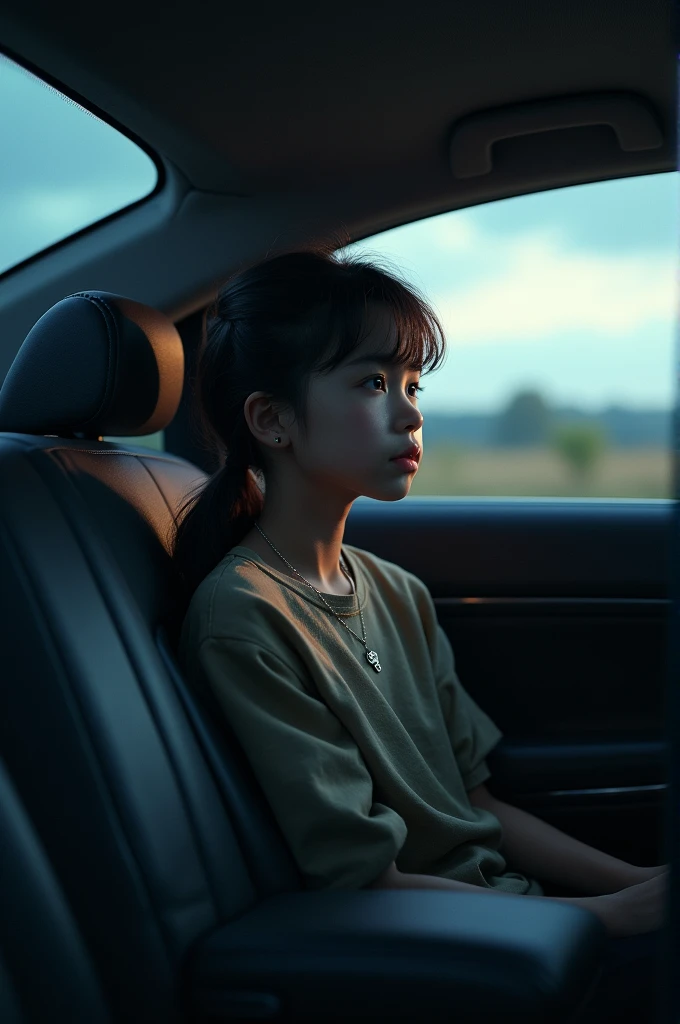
point(46, 973)
point(175, 869)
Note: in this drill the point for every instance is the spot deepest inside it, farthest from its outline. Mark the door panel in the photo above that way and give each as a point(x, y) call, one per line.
point(557, 612)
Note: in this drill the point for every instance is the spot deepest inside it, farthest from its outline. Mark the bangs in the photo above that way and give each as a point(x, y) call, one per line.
point(345, 318)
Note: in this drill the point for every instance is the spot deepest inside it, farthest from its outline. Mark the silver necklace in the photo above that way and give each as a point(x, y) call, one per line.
point(371, 656)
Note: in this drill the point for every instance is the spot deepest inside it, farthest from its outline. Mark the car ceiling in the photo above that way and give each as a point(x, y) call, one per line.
point(280, 123)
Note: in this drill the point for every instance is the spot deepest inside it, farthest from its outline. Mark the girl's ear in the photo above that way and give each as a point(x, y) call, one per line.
point(267, 418)
point(259, 414)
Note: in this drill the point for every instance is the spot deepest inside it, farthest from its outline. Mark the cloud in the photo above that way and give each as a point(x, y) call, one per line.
point(453, 234)
point(545, 288)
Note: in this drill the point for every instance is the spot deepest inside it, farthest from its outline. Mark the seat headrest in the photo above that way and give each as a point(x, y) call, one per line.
point(95, 363)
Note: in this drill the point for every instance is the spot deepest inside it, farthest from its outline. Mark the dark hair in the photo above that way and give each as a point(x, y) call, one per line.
point(271, 326)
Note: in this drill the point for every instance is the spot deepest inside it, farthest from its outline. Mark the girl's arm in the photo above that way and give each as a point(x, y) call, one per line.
point(393, 878)
point(538, 850)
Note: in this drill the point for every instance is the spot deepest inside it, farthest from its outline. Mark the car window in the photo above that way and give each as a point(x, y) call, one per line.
point(559, 310)
point(155, 441)
point(62, 168)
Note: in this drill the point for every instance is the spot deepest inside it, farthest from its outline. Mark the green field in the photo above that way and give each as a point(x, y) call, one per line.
point(539, 472)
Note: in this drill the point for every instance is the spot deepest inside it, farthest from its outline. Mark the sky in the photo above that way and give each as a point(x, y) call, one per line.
point(61, 168)
point(572, 291)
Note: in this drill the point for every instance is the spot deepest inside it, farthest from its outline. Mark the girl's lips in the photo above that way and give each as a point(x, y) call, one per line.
point(411, 452)
point(406, 465)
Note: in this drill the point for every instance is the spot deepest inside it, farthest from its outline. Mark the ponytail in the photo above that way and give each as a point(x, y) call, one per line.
point(214, 519)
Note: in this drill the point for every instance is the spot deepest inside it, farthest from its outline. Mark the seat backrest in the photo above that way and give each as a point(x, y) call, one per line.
point(149, 811)
point(46, 972)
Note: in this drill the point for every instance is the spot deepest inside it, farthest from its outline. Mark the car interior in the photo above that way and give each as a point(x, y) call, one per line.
point(143, 876)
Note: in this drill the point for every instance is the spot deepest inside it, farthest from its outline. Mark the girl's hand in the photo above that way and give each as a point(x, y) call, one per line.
point(633, 911)
point(638, 874)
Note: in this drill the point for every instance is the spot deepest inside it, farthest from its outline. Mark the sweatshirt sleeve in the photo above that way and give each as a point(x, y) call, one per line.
point(311, 771)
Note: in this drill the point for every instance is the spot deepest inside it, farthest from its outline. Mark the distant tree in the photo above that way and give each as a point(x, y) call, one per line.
point(580, 445)
point(524, 421)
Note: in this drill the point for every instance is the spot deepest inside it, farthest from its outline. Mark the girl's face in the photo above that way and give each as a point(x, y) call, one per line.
point(360, 416)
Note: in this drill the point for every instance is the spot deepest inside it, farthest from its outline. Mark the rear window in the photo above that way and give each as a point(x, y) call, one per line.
point(62, 168)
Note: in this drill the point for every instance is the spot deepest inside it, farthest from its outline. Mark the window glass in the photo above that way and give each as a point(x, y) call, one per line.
point(62, 168)
point(559, 310)
point(155, 441)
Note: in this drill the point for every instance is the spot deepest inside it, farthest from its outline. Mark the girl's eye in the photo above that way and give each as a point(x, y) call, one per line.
point(380, 377)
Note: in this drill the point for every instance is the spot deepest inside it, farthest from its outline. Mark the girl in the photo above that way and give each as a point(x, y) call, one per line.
point(329, 662)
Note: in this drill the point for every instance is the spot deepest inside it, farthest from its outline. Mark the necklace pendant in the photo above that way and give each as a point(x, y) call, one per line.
point(372, 659)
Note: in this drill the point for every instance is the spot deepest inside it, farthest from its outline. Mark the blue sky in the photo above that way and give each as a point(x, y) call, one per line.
point(571, 291)
point(61, 167)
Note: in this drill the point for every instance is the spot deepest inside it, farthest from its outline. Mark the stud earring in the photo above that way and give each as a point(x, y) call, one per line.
point(277, 438)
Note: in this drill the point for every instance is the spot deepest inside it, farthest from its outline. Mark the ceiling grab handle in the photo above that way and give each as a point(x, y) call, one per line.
point(474, 136)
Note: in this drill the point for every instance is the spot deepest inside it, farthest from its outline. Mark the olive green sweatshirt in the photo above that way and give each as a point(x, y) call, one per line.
point(360, 768)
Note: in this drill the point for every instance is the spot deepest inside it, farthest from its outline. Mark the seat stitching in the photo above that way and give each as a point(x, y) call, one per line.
point(158, 488)
point(177, 460)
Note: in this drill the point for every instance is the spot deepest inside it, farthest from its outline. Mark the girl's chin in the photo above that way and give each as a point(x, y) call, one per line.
point(394, 490)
